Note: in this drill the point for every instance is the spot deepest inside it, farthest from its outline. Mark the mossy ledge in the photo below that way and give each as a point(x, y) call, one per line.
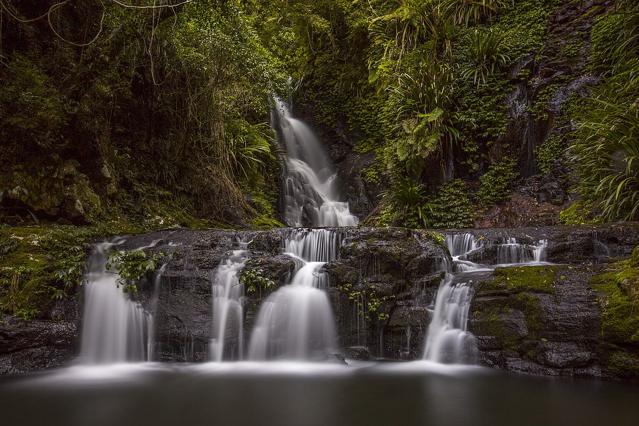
point(538, 279)
point(618, 295)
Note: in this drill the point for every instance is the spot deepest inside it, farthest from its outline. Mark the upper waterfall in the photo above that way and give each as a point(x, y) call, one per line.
point(311, 196)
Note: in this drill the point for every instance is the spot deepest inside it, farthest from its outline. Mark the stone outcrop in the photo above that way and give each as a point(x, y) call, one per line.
point(539, 320)
point(382, 285)
point(38, 344)
point(566, 244)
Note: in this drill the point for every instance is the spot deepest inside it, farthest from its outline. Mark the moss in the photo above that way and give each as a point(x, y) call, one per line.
point(578, 213)
point(623, 364)
point(540, 279)
point(489, 322)
point(41, 264)
point(619, 300)
point(533, 314)
point(634, 259)
point(437, 237)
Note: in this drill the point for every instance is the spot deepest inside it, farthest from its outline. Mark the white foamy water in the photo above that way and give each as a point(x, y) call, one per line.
point(114, 327)
point(296, 322)
point(448, 339)
point(310, 192)
point(227, 339)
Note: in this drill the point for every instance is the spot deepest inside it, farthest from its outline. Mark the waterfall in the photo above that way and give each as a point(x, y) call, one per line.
point(460, 244)
point(296, 322)
point(228, 314)
point(154, 308)
point(448, 340)
point(114, 327)
point(310, 191)
point(513, 252)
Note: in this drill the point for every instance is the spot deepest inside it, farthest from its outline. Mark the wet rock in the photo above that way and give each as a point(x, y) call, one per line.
point(43, 343)
point(358, 353)
point(566, 244)
point(383, 282)
point(382, 286)
point(540, 333)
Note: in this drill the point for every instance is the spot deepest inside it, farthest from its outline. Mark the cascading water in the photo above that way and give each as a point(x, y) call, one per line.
point(448, 339)
point(154, 307)
point(310, 191)
point(513, 252)
point(461, 244)
point(115, 328)
point(296, 322)
point(227, 340)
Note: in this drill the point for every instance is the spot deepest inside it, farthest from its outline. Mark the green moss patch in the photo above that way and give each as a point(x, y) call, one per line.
point(41, 264)
point(619, 299)
point(540, 279)
point(623, 364)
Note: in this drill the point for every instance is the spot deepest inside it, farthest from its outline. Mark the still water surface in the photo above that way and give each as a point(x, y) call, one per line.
point(303, 394)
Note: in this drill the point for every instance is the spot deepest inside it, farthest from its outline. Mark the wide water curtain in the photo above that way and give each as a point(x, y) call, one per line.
point(296, 322)
point(115, 328)
point(311, 196)
point(227, 341)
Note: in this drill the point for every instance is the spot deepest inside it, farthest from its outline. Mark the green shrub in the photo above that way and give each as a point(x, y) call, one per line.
point(496, 183)
point(132, 266)
point(488, 56)
point(254, 280)
point(606, 152)
point(550, 152)
point(451, 207)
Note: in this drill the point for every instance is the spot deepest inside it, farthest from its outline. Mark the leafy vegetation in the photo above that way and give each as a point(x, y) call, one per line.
point(255, 281)
point(162, 118)
point(496, 183)
point(132, 266)
point(159, 115)
point(606, 150)
point(451, 207)
point(40, 265)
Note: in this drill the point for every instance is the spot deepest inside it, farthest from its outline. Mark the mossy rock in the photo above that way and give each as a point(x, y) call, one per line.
point(42, 264)
point(623, 364)
point(634, 259)
point(54, 191)
point(619, 299)
point(540, 279)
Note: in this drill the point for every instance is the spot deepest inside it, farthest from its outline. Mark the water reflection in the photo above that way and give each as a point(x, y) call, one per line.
point(299, 393)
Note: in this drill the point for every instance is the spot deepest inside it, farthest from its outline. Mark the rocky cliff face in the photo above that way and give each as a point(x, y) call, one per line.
point(542, 320)
point(43, 343)
point(381, 285)
point(556, 319)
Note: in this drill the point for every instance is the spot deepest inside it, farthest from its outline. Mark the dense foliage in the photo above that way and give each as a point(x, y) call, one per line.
point(157, 112)
point(162, 117)
point(607, 147)
point(489, 92)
